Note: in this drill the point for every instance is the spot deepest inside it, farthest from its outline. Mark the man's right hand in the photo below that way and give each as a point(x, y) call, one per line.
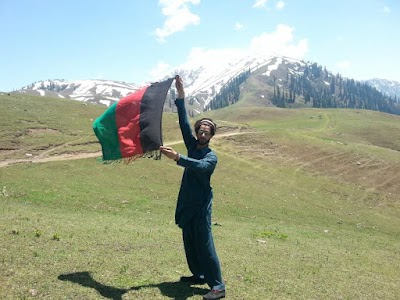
point(179, 87)
point(170, 153)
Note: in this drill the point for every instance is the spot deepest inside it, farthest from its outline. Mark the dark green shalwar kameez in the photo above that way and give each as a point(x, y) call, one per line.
point(194, 207)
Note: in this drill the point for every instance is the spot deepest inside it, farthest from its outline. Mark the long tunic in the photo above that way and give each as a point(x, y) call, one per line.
point(195, 194)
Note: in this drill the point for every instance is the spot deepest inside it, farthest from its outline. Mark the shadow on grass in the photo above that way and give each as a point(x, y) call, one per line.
point(175, 290)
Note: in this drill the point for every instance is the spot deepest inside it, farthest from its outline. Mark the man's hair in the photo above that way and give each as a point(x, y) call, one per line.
point(206, 121)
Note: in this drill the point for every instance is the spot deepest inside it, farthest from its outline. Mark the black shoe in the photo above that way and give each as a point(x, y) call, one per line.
point(193, 279)
point(214, 294)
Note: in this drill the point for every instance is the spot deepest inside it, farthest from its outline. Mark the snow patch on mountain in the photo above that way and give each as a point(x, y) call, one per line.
point(203, 83)
point(93, 91)
point(273, 67)
point(388, 87)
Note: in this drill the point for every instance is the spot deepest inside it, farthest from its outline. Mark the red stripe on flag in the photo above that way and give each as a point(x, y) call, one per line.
point(127, 117)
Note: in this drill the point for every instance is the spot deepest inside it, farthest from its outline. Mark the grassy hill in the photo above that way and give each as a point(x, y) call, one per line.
point(306, 206)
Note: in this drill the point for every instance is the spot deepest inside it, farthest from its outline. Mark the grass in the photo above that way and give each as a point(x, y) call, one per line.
point(32, 125)
point(294, 218)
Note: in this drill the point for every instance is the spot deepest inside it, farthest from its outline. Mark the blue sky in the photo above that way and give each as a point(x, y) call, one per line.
point(137, 41)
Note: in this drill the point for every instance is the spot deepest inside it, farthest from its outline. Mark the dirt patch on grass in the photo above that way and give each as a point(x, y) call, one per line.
point(225, 127)
point(61, 157)
point(85, 143)
point(40, 131)
point(368, 172)
point(6, 149)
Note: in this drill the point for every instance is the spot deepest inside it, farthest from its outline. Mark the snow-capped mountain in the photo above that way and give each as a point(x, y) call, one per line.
point(202, 82)
point(388, 87)
point(91, 91)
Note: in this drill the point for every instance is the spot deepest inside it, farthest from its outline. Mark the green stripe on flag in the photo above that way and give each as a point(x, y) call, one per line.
point(105, 128)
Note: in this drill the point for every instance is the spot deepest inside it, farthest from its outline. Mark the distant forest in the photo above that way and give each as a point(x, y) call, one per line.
point(316, 87)
point(229, 93)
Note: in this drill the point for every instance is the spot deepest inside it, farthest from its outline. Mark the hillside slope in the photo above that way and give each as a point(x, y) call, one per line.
point(358, 145)
point(306, 206)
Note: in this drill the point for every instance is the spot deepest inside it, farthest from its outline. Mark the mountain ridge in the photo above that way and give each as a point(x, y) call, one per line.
point(388, 87)
point(90, 90)
point(202, 82)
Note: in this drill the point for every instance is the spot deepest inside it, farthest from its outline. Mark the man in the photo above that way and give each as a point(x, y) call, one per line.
point(193, 210)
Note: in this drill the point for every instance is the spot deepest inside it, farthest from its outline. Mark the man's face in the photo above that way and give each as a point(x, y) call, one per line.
point(204, 134)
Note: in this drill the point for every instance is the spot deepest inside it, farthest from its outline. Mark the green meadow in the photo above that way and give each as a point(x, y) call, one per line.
point(306, 206)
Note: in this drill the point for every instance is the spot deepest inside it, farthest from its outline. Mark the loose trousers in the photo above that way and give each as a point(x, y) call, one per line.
point(200, 251)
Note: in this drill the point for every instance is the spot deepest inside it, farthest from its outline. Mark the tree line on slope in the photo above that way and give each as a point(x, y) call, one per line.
point(321, 89)
point(229, 93)
point(314, 87)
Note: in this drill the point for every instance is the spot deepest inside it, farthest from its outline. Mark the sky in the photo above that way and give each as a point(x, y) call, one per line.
point(140, 41)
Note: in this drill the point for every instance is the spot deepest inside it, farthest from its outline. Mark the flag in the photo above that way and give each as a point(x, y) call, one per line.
point(132, 127)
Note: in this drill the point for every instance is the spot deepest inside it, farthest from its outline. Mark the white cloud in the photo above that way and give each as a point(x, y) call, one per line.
point(178, 17)
point(280, 42)
point(260, 4)
point(238, 26)
point(386, 10)
point(212, 57)
point(280, 5)
point(160, 71)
